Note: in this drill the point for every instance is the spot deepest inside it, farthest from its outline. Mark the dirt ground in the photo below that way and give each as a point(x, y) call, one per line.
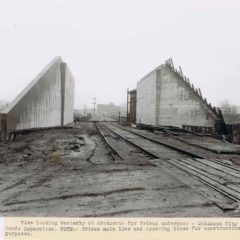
point(69, 172)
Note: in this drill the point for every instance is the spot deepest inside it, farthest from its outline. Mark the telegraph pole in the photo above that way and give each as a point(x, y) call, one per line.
point(85, 110)
point(127, 104)
point(94, 104)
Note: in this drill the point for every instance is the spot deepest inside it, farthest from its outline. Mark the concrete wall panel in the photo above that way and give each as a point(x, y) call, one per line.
point(179, 105)
point(41, 103)
point(163, 98)
point(69, 97)
point(146, 99)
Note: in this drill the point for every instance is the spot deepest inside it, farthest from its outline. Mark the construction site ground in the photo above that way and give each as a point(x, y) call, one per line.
point(69, 172)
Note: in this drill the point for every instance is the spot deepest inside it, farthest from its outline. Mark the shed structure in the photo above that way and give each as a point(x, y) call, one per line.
point(131, 105)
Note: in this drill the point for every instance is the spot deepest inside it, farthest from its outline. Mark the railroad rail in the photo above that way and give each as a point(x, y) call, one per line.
point(221, 177)
point(114, 154)
point(123, 151)
point(103, 127)
point(176, 148)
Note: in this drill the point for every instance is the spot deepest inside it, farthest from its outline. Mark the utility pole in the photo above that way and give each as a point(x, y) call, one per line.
point(85, 110)
point(127, 104)
point(94, 104)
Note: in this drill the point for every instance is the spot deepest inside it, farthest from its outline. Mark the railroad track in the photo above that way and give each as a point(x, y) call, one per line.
point(221, 177)
point(123, 151)
point(102, 128)
point(114, 154)
point(176, 148)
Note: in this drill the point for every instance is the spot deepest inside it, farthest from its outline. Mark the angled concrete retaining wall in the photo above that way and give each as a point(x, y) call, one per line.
point(165, 98)
point(47, 101)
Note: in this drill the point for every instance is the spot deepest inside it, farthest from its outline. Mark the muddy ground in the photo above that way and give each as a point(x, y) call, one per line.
point(69, 172)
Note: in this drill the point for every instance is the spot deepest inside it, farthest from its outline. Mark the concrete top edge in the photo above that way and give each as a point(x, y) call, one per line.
point(133, 90)
point(31, 84)
point(155, 69)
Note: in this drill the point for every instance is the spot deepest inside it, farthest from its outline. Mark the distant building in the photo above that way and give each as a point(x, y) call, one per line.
point(233, 130)
point(232, 121)
point(107, 110)
point(123, 110)
point(165, 97)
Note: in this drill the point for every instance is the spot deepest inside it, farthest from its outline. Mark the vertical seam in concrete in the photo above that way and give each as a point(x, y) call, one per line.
point(3, 126)
point(158, 96)
point(63, 78)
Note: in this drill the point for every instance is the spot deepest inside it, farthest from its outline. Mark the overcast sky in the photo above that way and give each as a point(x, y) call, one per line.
point(110, 44)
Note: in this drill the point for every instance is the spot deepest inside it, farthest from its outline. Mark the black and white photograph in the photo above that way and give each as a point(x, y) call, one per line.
point(120, 108)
